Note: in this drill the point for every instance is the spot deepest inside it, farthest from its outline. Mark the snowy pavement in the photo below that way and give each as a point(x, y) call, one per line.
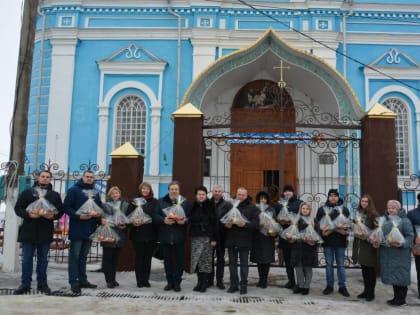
point(128, 299)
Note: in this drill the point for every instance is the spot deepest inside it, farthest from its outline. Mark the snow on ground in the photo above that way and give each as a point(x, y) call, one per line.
point(128, 299)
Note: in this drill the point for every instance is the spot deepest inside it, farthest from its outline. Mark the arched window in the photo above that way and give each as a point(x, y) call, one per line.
point(130, 122)
point(401, 134)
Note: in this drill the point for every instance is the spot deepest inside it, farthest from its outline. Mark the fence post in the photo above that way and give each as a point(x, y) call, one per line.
point(11, 227)
point(378, 156)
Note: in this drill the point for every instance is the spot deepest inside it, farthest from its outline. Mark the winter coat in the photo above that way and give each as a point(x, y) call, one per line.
point(175, 233)
point(363, 251)
point(39, 230)
point(335, 239)
point(414, 217)
point(242, 237)
point(144, 232)
point(109, 210)
point(396, 261)
point(203, 220)
point(293, 205)
point(263, 248)
point(302, 253)
point(76, 197)
point(221, 207)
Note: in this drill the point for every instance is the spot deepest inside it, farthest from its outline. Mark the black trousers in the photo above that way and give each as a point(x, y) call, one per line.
point(110, 262)
point(243, 254)
point(219, 254)
point(173, 261)
point(143, 262)
point(369, 280)
point(417, 260)
point(287, 255)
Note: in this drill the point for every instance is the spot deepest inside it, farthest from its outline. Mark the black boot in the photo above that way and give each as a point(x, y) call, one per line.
point(264, 277)
point(198, 285)
point(401, 295)
point(392, 301)
point(370, 285)
point(260, 274)
point(291, 277)
point(203, 281)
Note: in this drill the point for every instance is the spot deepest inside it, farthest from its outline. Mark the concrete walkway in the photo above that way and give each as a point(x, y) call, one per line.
point(128, 299)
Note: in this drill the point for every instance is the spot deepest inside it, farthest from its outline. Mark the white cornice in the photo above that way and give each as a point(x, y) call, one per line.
point(132, 67)
point(401, 73)
point(382, 39)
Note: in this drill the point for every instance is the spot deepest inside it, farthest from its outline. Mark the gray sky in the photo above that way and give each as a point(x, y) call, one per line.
point(10, 16)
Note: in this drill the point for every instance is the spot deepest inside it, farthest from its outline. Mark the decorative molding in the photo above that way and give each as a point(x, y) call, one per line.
point(394, 57)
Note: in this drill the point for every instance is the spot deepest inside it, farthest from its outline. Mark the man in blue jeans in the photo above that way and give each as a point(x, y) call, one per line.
point(37, 229)
point(81, 226)
point(335, 242)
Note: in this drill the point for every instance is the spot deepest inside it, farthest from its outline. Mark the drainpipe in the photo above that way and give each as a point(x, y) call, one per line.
point(38, 100)
point(345, 15)
point(178, 78)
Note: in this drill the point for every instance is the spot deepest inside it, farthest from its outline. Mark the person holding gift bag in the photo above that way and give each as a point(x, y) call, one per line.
point(222, 206)
point(83, 205)
point(171, 216)
point(414, 217)
point(304, 254)
point(395, 257)
point(115, 210)
point(143, 232)
point(363, 251)
point(203, 237)
point(38, 206)
point(335, 241)
point(263, 248)
point(239, 235)
point(289, 203)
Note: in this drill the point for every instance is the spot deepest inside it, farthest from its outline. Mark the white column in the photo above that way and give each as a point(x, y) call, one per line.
point(103, 117)
point(203, 55)
point(154, 139)
point(60, 101)
point(328, 55)
point(11, 246)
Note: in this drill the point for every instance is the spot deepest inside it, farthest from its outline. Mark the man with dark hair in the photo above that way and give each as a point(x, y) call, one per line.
point(172, 234)
point(414, 217)
point(335, 242)
point(38, 206)
point(239, 241)
point(81, 226)
point(292, 204)
point(222, 207)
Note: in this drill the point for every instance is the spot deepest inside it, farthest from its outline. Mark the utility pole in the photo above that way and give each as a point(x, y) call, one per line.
point(23, 81)
point(19, 131)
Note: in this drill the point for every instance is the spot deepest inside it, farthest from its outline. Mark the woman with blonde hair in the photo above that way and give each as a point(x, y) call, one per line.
point(111, 250)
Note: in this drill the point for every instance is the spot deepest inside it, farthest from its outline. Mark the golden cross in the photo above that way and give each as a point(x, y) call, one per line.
point(281, 83)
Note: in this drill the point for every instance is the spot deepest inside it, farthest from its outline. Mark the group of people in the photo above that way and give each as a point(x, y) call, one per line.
point(210, 236)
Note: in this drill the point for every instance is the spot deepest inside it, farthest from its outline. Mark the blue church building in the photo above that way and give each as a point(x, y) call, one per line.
point(110, 72)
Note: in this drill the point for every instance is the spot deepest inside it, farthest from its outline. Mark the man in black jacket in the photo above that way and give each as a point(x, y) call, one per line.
point(36, 231)
point(335, 242)
point(239, 241)
point(172, 235)
point(222, 207)
point(292, 203)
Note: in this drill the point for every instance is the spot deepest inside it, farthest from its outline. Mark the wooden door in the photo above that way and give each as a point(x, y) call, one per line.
point(249, 163)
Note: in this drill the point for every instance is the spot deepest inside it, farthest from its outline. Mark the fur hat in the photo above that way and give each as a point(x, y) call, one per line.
point(394, 203)
point(262, 194)
point(288, 188)
point(333, 191)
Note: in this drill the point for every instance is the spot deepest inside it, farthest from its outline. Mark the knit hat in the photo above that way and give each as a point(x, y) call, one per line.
point(288, 188)
point(394, 203)
point(333, 191)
